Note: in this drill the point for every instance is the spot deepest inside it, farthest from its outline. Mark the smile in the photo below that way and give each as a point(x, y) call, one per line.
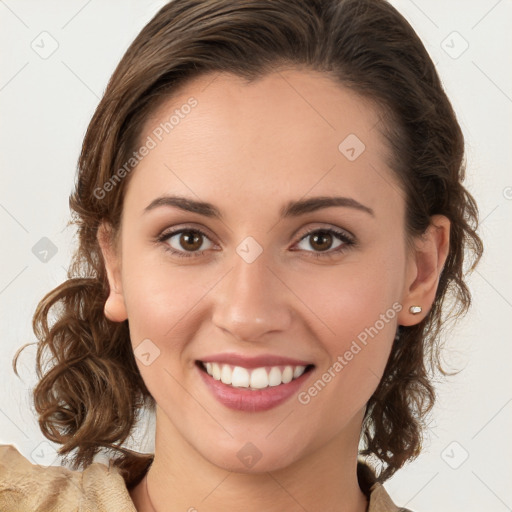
point(254, 378)
point(277, 384)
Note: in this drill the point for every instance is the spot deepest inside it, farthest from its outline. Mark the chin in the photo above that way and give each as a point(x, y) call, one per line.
point(250, 457)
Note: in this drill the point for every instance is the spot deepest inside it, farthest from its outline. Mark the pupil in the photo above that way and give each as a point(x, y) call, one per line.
point(191, 240)
point(324, 236)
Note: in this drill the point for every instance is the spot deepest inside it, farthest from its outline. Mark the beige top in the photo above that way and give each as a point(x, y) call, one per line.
point(27, 487)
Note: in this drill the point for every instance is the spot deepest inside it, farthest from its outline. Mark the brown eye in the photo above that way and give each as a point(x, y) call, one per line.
point(185, 242)
point(322, 241)
point(190, 240)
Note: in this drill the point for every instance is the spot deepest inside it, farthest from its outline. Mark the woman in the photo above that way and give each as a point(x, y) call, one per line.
point(271, 215)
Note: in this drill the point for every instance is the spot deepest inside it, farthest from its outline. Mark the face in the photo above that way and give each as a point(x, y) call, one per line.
point(319, 285)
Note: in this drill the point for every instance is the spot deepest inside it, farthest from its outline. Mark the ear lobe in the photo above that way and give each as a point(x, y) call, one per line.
point(431, 251)
point(115, 308)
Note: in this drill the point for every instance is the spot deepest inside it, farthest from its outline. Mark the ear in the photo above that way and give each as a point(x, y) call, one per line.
point(425, 265)
point(115, 307)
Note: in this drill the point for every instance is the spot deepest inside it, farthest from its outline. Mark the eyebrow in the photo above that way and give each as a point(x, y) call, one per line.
point(291, 209)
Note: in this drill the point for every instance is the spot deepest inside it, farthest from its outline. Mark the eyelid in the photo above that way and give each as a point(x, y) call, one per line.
point(346, 237)
point(326, 227)
point(298, 233)
point(187, 227)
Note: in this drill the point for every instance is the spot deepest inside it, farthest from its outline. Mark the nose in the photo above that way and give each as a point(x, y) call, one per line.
point(252, 300)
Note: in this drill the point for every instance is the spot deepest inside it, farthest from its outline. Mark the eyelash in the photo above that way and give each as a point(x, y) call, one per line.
point(347, 240)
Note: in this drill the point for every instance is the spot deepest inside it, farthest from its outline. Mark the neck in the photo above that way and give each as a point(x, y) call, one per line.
point(181, 479)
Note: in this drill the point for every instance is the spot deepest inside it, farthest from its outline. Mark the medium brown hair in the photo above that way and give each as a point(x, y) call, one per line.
point(92, 394)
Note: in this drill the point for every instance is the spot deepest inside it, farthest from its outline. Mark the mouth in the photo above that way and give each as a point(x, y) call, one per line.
point(253, 389)
point(254, 379)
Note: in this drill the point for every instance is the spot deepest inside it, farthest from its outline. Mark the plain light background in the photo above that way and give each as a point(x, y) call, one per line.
point(56, 60)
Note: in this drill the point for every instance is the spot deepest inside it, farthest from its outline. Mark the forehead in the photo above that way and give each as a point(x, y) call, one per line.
point(288, 134)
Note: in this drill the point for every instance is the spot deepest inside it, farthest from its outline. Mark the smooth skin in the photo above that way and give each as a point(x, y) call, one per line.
point(249, 150)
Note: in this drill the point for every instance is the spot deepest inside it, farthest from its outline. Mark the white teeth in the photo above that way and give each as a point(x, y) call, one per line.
point(239, 377)
point(257, 378)
point(287, 374)
point(274, 377)
point(299, 370)
point(226, 374)
point(216, 371)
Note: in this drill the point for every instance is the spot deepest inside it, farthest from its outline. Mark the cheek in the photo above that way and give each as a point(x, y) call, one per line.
point(354, 320)
point(356, 356)
point(162, 306)
point(346, 299)
point(163, 301)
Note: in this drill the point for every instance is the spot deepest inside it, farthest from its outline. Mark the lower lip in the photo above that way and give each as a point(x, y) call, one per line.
point(244, 399)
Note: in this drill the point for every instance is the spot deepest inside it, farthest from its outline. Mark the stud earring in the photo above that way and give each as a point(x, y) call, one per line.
point(415, 310)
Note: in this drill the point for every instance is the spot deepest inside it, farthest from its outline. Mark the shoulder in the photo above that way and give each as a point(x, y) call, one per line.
point(378, 498)
point(26, 487)
point(380, 501)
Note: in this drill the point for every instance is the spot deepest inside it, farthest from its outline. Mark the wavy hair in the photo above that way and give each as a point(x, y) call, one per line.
point(91, 393)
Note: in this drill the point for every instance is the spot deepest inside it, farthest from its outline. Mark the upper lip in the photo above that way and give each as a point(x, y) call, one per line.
point(253, 361)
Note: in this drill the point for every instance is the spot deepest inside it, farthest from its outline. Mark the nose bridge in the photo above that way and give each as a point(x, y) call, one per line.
point(250, 300)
